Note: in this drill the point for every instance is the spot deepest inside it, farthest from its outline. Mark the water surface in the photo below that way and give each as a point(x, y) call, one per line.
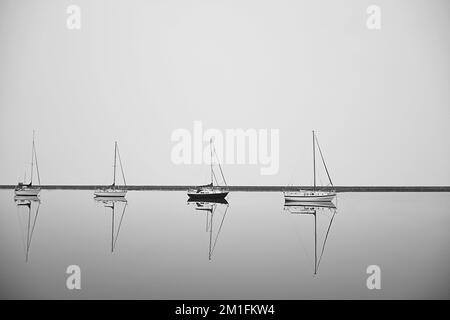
point(160, 247)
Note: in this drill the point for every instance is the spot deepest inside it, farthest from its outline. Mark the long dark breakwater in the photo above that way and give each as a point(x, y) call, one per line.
point(254, 188)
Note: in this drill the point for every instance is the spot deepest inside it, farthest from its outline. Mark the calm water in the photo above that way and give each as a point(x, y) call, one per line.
point(163, 248)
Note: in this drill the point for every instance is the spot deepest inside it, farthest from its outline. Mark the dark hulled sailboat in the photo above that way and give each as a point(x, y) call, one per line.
point(210, 191)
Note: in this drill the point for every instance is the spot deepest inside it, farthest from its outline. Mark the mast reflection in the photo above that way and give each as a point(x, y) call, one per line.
point(113, 204)
point(211, 208)
point(30, 206)
point(313, 209)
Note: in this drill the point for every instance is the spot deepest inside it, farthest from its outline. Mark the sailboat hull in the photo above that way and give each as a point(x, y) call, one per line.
point(207, 195)
point(199, 203)
point(302, 196)
point(31, 192)
point(110, 199)
point(309, 204)
point(25, 199)
point(110, 193)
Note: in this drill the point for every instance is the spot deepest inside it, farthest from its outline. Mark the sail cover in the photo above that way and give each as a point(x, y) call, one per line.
point(205, 186)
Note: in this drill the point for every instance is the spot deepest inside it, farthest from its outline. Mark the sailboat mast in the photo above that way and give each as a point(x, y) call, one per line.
point(323, 161)
point(32, 160)
point(121, 166)
point(36, 161)
point(115, 154)
point(212, 173)
point(220, 168)
point(314, 159)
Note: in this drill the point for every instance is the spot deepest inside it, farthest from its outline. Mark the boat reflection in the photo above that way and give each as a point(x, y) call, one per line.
point(28, 206)
point(313, 209)
point(113, 204)
point(212, 208)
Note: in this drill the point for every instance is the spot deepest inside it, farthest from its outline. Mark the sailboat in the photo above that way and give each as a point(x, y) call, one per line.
point(28, 202)
point(110, 203)
point(113, 190)
point(210, 208)
point(314, 195)
point(210, 191)
point(313, 208)
point(23, 189)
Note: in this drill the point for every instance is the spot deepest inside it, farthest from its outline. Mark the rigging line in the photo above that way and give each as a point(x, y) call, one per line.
point(325, 215)
point(34, 223)
point(213, 175)
point(120, 224)
point(326, 237)
point(323, 161)
point(220, 167)
point(121, 167)
point(220, 228)
point(37, 167)
point(214, 178)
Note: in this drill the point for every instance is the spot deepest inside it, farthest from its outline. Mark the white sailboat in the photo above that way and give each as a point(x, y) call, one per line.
point(24, 189)
point(210, 191)
point(114, 190)
point(314, 195)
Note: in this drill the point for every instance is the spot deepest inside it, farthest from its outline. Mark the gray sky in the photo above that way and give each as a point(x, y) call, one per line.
point(138, 70)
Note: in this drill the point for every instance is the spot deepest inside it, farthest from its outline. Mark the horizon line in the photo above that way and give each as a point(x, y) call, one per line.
point(266, 188)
